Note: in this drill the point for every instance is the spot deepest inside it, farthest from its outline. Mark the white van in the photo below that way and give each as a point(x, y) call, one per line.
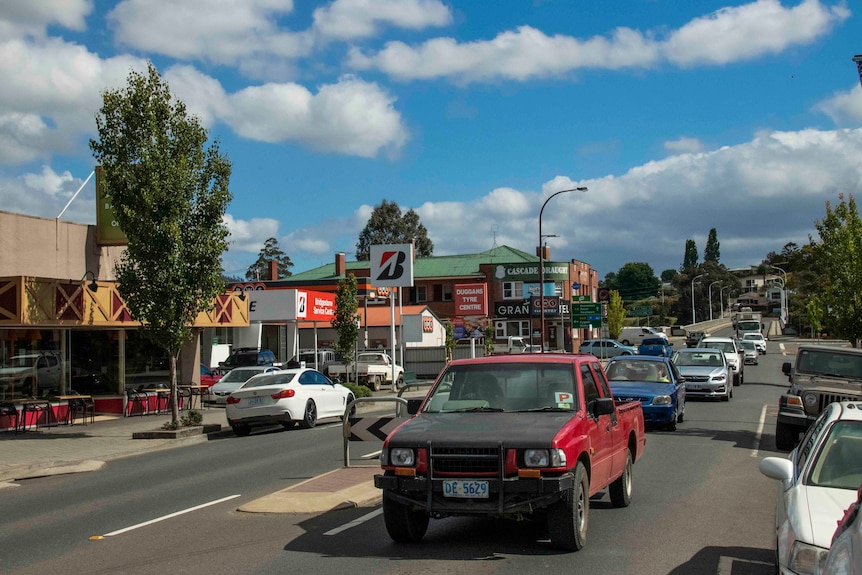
point(633, 335)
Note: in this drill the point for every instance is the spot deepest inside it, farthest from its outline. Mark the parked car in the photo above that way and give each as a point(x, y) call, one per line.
point(286, 397)
point(750, 354)
point(705, 371)
point(233, 380)
point(758, 339)
point(633, 335)
point(731, 352)
point(816, 483)
point(247, 356)
point(845, 554)
point(652, 380)
point(606, 348)
point(208, 376)
point(655, 346)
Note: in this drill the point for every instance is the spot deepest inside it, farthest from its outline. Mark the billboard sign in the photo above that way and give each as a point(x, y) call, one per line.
point(392, 265)
point(471, 299)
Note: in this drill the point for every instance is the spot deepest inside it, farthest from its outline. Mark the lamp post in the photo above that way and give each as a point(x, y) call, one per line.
point(694, 279)
point(858, 60)
point(710, 297)
point(542, 267)
point(783, 292)
point(720, 300)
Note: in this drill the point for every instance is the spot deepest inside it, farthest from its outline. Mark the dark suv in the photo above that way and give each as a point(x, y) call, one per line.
point(243, 356)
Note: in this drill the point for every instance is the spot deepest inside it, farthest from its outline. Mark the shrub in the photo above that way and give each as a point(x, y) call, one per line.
point(358, 390)
point(192, 418)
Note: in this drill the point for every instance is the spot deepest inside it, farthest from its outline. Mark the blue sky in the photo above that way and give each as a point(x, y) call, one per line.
point(678, 116)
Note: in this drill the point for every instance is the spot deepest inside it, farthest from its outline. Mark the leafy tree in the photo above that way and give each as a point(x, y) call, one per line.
point(815, 314)
point(450, 340)
point(712, 253)
point(344, 321)
point(689, 259)
point(387, 225)
point(668, 275)
point(840, 253)
point(616, 314)
point(636, 280)
point(169, 194)
point(610, 281)
point(259, 270)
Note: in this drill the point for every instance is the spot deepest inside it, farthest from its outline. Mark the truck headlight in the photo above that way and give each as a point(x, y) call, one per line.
point(661, 400)
point(810, 399)
point(544, 458)
point(398, 456)
point(807, 559)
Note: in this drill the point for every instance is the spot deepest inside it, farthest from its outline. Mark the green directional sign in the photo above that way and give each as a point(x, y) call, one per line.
point(587, 309)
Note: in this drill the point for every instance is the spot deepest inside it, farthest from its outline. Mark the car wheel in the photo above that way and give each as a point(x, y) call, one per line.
point(736, 379)
point(785, 437)
point(681, 416)
point(352, 409)
point(375, 383)
point(309, 419)
point(568, 518)
point(671, 425)
point(399, 383)
point(240, 429)
point(402, 523)
point(625, 342)
point(621, 489)
point(726, 396)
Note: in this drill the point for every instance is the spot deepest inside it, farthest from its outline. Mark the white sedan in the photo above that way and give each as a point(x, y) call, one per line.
point(818, 481)
point(286, 397)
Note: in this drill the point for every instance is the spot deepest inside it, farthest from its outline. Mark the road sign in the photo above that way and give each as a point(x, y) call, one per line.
point(586, 309)
point(581, 298)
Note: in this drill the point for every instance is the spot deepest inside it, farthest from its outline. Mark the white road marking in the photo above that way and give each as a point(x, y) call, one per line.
point(372, 455)
point(355, 522)
point(725, 564)
point(759, 435)
point(158, 519)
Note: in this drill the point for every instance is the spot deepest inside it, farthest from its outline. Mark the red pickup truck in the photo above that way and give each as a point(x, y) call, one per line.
point(518, 437)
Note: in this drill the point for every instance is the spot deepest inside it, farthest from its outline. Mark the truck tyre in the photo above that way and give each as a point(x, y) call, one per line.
point(402, 523)
point(399, 383)
point(309, 418)
point(241, 429)
point(621, 489)
point(568, 518)
point(785, 437)
point(374, 380)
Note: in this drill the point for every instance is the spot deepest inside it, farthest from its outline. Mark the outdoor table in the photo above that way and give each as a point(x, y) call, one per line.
point(69, 399)
point(32, 405)
point(195, 391)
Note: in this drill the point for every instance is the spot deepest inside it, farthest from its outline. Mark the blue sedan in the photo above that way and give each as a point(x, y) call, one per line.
point(652, 380)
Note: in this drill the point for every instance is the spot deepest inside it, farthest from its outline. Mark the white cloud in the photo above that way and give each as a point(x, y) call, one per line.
point(845, 108)
point(354, 19)
point(31, 17)
point(684, 145)
point(250, 235)
point(350, 117)
point(751, 30)
point(46, 193)
point(728, 35)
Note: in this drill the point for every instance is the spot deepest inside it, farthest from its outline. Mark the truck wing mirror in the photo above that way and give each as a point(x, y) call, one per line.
point(785, 368)
point(414, 404)
point(603, 406)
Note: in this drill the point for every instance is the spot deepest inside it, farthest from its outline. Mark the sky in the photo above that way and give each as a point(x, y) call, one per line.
point(679, 117)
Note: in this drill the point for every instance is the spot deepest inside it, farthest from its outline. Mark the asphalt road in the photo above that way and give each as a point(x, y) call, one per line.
point(700, 506)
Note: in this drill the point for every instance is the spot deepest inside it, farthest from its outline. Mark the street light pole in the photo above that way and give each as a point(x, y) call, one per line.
point(720, 300)
point(783, 293)
point(542, 267)
point(710, 297)
point(694, 279)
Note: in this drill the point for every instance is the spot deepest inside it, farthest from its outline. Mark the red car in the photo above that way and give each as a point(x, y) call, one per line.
point(208, 376)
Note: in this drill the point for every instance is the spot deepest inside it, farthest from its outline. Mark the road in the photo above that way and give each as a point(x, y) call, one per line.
point(700, 506)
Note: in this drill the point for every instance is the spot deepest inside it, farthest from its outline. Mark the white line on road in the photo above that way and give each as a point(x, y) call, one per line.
point(151, 521)
point(355, 522)
point(759, 435)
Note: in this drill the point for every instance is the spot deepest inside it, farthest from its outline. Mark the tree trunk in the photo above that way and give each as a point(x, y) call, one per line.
point(175, 410)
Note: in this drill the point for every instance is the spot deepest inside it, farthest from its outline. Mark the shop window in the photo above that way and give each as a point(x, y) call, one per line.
point(421, 293)
point(513, 290)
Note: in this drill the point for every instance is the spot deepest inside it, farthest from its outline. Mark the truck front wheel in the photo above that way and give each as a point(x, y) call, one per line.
point(402, 523)
point(621, 489)
point(568, 518)
point(374, 380)
point(785, 437)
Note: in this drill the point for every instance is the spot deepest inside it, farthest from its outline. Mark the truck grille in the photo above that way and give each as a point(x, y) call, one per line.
point(825, 399)
point(465, 460)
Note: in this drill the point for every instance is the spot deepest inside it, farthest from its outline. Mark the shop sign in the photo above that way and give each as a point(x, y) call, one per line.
point(550, 303)
point(471, 299)
point(512, 308)
point(530, 272)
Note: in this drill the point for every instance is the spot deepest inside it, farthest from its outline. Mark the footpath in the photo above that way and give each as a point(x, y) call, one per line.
point(62, 449)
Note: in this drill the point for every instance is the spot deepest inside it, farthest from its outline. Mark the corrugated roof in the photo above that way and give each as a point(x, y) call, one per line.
point(432, 267)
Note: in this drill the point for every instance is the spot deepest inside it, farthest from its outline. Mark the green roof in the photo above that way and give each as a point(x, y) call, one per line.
point(431, 267)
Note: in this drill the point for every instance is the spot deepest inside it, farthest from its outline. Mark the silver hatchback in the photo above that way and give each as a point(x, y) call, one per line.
point(705, 371)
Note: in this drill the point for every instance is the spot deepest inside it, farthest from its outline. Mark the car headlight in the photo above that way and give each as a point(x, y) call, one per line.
point(544, 458)
point(807, 559)
point(398, 456)
point(810, 399)
point(719, 377)
point(661, 400)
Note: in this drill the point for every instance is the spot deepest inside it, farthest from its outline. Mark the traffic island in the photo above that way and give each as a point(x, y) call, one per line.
point(179, 433)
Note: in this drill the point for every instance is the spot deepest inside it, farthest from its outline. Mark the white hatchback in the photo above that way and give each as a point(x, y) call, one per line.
point(286, 397)
point(817, 482)
point(758, 339)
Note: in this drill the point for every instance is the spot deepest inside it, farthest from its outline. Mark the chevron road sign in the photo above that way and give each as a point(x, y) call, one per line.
point(372, 428)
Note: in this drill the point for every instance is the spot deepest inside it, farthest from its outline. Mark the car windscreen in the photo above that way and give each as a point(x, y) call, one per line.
point(271, 379)
point(240, 375)
point(701, 359)
point(509, 387)
point(827, 362)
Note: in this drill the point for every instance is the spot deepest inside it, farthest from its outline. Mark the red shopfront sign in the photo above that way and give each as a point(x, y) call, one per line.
point(471, 299)
point(318, 306)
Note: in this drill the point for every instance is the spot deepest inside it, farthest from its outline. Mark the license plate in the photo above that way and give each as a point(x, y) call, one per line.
point(465, 489)
point(253, 401)
point(692, 386)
